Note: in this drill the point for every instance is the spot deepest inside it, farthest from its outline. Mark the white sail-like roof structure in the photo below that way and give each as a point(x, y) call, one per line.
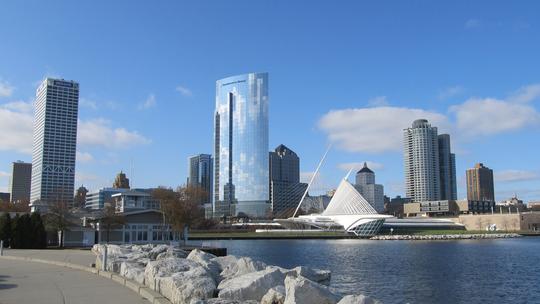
point(348, 210)
point(348, 201)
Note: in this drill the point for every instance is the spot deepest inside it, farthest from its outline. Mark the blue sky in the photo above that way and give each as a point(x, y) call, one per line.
point(354, 73)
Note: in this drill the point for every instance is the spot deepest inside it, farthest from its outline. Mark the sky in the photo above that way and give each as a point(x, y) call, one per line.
point(350, 73)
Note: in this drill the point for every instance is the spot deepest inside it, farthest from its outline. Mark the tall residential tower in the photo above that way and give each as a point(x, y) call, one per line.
point(241, 146)
point(421, 157)
point(480, 184)
point(430, 167)
point(55, 141)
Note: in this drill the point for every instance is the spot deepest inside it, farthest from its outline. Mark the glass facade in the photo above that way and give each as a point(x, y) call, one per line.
point(241, 182)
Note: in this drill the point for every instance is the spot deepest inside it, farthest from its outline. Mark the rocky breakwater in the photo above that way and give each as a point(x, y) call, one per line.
point(202, 278)
point(435, 237)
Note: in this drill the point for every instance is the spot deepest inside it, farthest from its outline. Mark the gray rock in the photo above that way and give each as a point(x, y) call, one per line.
point(225, 261)
point(134, 270)
point(358, 299)
point(313, 274)
point(205, 259)
point(180, 280)
point(300, 290)
point(154, 252)
point(242, 266)
point(250, 286)
point(274, 295)
point(172, 252)
point(223, 301)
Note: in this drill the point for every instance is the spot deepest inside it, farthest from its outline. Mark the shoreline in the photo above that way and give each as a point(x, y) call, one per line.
point(322, 236)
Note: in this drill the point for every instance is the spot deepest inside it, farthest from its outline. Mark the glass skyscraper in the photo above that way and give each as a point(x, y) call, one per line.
point(241, 146)
point(200, 174)
point(55, 142)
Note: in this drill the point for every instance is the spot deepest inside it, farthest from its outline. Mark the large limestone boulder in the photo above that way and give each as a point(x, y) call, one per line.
point(134, 270)
point(172, 252)
point(225, 261)
point(180, 280)
point(223, 301)
point(206, 260)
point(313, 274)
point(275, 295)
point(154, 252)
point(241, 266)
point(250, 286)
point(300, 290)
point(358, 299)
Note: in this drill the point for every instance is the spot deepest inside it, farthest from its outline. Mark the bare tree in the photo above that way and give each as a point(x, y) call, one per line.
point(183, 207)
point(110, 218)
point(57, 219)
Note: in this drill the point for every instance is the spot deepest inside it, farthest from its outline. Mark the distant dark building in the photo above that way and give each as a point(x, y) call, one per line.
point(20, 181)
point(80, 197)
point(285, 187)
point(4, 197)
point(121, 181)
point(447, 169)
point(394, 206)
point(480, 184)
point(200, 174)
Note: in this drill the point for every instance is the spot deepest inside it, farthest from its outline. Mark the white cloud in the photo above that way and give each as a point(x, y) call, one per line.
point(357, 166)
point(84, 157)
point(98, 132)
point(472, 23)
point(526, 94)
point(150, 102)
point(5, 89)
point(83, 102)
point(4, 174)
point(19, 106)
point(184, 91)
point(374, 130)
point(17, 130)
point(489, 116)
point(379, 101)
point(515, 176)
point(450, 92)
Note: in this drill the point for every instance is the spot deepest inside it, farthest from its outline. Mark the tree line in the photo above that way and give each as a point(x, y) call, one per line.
point(26, 231)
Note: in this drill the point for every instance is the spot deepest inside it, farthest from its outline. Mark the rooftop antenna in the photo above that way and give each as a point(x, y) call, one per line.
point(311, 181)
point(131, 173)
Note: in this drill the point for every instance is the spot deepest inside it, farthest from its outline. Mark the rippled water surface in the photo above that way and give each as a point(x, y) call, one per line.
point(464, 271)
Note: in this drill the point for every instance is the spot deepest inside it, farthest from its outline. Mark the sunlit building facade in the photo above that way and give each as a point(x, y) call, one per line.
point(241, 146)
point(55, 142)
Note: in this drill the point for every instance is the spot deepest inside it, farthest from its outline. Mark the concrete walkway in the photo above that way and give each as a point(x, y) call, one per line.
point(74, 256)
point(29, 282)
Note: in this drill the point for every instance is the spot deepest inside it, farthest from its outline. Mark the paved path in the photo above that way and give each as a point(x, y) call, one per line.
point(26, 282)
point(74, 256)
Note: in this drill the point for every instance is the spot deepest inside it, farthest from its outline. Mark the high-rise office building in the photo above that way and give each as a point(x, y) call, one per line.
point(447, 169)
point(421, 158)
point(241, 146)
point(55, 141)
point(480, 184)
point(200, 174)
point(373, 193)
point(285, 188)
point(20, 181)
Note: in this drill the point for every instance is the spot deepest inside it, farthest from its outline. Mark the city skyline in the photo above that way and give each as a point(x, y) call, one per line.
point(128, 117)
